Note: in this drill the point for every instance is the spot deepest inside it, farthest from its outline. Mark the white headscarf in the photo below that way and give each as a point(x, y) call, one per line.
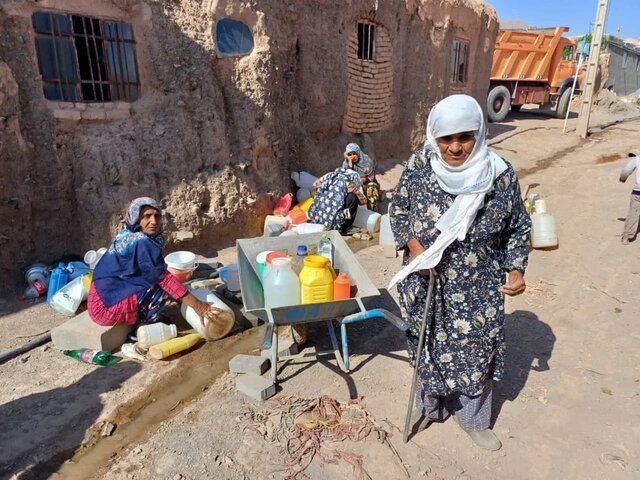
point(470, 181)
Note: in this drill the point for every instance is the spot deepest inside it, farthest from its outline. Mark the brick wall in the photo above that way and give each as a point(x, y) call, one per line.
point(370, 84)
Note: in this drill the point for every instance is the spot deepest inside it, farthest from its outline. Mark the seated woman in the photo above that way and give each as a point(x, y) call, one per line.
point(360, 162)
point(336, 202)
point(131, 283)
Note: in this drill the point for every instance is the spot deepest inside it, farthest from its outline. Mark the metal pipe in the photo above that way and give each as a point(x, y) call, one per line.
point(421, 345)
point(14, 352)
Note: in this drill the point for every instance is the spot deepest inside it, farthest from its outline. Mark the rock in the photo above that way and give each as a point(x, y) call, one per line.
point(107, 429)
point(183, 236)
point(24, 359)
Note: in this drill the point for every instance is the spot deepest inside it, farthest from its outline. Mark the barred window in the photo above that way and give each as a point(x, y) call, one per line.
point(459, 62)
point(85, 59)
point(366, 41)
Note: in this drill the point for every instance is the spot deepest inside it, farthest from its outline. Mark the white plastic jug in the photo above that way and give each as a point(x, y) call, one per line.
point(155, 333)
point(208, 331)
point(281, 284)
point(367, 219)
point(67, 300)
point(543, 230)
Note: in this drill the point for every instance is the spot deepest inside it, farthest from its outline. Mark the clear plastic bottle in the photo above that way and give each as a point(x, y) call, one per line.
point(298, 261)
point(325, 248)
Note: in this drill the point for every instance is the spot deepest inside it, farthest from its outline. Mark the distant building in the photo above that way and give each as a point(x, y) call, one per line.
point(622, 64)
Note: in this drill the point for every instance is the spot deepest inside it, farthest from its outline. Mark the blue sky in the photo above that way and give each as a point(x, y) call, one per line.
point(575, 14)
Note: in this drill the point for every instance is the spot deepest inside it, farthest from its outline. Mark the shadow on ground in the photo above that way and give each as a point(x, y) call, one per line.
point(530, 343)
point(43, 430)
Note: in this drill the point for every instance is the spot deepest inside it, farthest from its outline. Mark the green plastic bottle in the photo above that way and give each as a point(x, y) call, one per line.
point(97, 357)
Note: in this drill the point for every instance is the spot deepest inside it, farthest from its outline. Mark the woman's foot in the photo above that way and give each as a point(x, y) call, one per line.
point(625, 240)
point(485, 439)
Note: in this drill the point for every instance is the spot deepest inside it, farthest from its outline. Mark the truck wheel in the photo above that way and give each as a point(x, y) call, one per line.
point(498, 103)
point(563, 104)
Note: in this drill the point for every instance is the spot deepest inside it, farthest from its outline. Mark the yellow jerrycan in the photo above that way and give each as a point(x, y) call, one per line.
point(316, 280)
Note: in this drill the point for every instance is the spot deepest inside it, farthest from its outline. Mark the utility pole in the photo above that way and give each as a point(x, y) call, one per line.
point(592, 68)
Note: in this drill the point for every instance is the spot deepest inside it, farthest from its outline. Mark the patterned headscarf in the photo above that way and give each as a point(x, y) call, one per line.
point(365, 166)
point(134, 262)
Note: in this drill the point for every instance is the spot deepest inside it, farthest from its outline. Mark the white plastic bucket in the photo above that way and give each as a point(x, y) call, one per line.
point(367, 219)
point(181, 260)
point(543, 231)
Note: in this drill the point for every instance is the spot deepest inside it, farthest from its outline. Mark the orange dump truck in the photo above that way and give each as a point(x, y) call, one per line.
point(531, 66)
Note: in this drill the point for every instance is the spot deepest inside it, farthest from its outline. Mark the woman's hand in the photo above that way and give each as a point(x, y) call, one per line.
point(415, 249)
point(201, 308)
point(515, 284)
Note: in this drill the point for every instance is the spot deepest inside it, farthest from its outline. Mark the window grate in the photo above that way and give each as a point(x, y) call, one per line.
point(459, 62)
point(85, 59)
point(366, 41)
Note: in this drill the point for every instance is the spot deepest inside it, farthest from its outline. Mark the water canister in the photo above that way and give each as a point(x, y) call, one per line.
point(367, 219)
point(67, 300)
point(77, 269)
point(316, 280)
point(261, 262)
point(154, 333)
point(211, 330)
point(540, 206)
point(59, 278)
point(281, 284)
point(543, 230)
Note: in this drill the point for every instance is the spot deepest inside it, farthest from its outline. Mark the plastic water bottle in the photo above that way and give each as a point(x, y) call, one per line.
point(298, 260)
point(325, 247)
point(173, 346)
point(96, 357)
point(67, 300)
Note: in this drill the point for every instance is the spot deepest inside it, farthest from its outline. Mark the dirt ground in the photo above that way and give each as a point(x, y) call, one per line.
point(569, 406)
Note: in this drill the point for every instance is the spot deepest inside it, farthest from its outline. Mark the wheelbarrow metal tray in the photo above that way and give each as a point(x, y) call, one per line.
point(344, 261)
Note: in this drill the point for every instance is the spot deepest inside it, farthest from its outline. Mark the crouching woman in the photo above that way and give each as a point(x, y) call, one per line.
point(131, 283)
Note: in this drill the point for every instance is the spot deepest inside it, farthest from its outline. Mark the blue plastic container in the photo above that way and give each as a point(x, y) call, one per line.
point(59, 278)
point(76, 269)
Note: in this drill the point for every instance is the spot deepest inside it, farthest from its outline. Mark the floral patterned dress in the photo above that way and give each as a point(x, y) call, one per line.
point(465, 334)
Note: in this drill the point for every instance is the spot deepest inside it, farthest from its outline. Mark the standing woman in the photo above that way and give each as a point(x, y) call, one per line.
point(363, 165)
point(131, 283)
point(457, 210)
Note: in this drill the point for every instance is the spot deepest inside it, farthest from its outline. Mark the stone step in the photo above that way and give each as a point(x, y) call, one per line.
point(82, 332)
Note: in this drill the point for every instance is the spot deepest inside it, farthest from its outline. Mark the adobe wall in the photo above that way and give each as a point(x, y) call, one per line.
point(214, 139)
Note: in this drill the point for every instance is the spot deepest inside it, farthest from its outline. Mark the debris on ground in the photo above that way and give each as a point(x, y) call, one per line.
point(304, 428)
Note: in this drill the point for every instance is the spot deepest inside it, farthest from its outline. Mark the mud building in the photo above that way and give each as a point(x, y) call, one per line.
point(208, 105)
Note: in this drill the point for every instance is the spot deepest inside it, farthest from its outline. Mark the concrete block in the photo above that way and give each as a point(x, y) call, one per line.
point(117, 114)
point(183, 236)
point(255, 386)
point(81, 332)
point(94, 114)
point(249, 364)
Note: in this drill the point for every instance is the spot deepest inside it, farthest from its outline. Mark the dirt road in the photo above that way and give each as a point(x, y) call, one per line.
point(569, 406)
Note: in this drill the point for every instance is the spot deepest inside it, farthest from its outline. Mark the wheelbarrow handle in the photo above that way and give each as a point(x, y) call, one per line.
point(421, 346)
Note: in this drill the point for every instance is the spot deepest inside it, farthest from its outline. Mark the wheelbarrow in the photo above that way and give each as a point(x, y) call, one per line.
point(345, 312)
